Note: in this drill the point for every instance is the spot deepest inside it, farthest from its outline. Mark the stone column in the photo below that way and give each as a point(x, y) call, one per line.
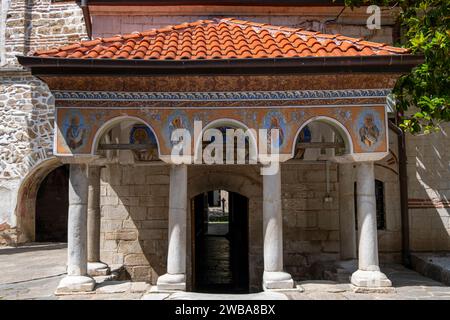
point(175, 278)
point(77, 279)
point(95, 266)
point(274, 277)
point(368, 273)
point(347, 212)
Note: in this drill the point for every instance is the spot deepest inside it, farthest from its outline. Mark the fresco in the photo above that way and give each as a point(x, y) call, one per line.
point(142, 134)
point(75, 130)
point(77, 127)
point(275, 120)
point(176, 120)
point(369, 129)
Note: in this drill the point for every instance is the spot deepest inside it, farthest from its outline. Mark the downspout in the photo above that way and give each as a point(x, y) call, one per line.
point(403, 177)
point(87, 17)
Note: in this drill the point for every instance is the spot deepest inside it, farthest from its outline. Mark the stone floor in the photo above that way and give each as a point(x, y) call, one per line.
point(33, 272)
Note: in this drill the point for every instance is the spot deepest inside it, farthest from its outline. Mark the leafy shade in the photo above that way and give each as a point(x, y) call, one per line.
point(423, 95)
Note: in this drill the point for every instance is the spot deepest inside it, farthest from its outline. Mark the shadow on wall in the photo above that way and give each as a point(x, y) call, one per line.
point(429, 190)
point(134, 208)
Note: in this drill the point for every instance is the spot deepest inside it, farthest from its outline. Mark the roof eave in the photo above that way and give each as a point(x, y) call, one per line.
point(66, 67)
point(216, 2)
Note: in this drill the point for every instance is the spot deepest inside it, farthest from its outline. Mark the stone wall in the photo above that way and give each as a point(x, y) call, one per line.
point(311, 225)
point(26, 137)
point(26, 104)
point(429, 190)
point(134, 207)
point(134, 202)
point(41, 24)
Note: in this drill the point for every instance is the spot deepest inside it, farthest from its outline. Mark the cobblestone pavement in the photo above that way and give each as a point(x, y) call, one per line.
point(33, 272)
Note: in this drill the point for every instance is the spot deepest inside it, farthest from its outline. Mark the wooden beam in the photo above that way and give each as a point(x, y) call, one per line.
point(125, 146)
point(320, 145)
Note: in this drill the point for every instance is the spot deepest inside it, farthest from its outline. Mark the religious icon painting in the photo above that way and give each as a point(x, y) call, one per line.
point(142, 135)
point(75, 130)
point(275, 120)
point(369, 130)
point(176, 120)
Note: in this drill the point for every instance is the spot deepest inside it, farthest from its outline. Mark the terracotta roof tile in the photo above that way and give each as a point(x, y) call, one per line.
point(226, 38)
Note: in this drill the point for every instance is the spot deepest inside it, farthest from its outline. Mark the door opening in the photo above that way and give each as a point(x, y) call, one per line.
point(220, 246)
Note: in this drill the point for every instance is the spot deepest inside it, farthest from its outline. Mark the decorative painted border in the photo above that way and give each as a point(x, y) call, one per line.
point(220, 96)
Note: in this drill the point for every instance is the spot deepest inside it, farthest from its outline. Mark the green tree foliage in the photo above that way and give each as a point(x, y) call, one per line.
point(426, 31)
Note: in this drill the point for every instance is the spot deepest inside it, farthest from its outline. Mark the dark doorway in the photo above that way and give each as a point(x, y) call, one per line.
point(52, 204)
point(220, 246)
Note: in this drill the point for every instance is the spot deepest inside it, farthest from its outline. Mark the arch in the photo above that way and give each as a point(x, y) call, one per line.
point(223, 122)
point(26, 198)
point(340, 128)
point(114, 121)
point(225, 179)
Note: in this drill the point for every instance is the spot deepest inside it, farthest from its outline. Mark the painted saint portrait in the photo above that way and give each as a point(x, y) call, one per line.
point(369, 129)
point(176, 120)
point(76, 131)
point(275, 120)
point(369, 132)
point(141, 134)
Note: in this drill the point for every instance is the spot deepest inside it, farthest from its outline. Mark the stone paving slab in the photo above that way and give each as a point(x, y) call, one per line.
point(34, 271)
point(113, 287)
point(206, 296)
point(31, 262)
point(155, 296)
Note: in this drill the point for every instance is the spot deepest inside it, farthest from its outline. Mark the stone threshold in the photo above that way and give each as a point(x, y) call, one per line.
point(434, 265)
point(112, 287)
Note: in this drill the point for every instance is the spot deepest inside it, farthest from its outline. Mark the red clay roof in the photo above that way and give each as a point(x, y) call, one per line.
point(220, 39)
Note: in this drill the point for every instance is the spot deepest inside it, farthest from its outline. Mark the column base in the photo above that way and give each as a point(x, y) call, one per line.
point(370, 279)
point(97, 269)
point(171, 282)
point(75, 284)
point(277, 280)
